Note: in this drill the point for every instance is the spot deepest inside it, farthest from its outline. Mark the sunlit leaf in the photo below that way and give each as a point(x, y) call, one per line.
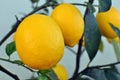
point(95, 73)
point(10, 48)
point(42, 77)
point(104, 5)
point(112, 75)
point(92, 35)
point(115, 29)
point(101, 47)
point(116, 49)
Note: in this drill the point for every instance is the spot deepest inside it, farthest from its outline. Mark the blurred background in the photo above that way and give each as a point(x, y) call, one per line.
point(11, 8)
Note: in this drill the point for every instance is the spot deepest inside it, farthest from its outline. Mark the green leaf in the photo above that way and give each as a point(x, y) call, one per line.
point(10, 48)
point(116, 49)
point(34, 1)
point(101, 46)
point(42, 77)
point(104, 5)
point(115, 29)
point(95, 73)
point(49, 73)
point(18, 62)
point(91, 7)
point(111, 74)
point(92, 35)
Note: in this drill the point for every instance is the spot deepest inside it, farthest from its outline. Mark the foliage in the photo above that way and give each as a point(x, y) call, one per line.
point(93, 43)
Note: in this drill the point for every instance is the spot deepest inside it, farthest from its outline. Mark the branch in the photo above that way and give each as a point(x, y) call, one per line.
point(9, 73)
point(13, 62)
point(79, 53)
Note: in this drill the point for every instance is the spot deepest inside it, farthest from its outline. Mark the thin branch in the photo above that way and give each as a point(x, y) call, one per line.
point(9, 73)
point(13, 62)
point(106, 65)
point(79, 53)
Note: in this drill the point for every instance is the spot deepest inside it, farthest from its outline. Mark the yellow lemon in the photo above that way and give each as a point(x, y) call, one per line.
point(70, 21)
point(39, 42)
point(104, 18)
point(61, 72)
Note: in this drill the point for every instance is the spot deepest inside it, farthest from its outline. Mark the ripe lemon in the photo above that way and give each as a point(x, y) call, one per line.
point(39, 42)
point(61, 72)
point(104, 18)
point(70, 21)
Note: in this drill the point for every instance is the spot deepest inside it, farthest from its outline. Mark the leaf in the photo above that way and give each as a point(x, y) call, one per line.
point(10, 48)
point(42, 77)
point(92, 35)
point(91, 7)
point(116, 49)
point(34, 1)
point(111, 74)
point(49, 73)
point(18, 62)
point(95, 73)
point(104, 5)
point(115, 29)
point(101, 46)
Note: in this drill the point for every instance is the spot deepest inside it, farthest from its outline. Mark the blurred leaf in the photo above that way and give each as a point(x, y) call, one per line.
point(18, 62)
point(49, 73)
point(95, 73)
point(34, 1)
point(92, 35)
point(116, 49)
point(101, 46)
point(10, 48)
point(91, 7)
point(104, 5)
point(42, 77)
point(115, 29)
point(111, 74)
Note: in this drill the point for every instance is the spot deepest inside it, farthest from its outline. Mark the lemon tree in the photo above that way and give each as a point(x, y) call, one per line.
point(41, 36)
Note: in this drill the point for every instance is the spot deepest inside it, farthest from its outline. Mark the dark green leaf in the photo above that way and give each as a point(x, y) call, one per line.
point(95, 73)
point(104, 5)
point(91, 7)
point(49, 73)
point(10, 48)
point(92, 35)
point(18, 62)
point(115, 29)
point(34, 1)
point(116, 49)
point(112, 74)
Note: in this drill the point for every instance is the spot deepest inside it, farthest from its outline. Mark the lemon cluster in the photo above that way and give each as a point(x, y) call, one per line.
point(40, 39)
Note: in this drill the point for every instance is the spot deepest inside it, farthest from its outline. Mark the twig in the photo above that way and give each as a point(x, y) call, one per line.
point(79, 53)
point(9, 73)
point(17, 64)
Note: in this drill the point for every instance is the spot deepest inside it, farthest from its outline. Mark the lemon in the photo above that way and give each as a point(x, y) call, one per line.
point(61, 72)
point(70, 21)
point(39, 42)
point(104, 18)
